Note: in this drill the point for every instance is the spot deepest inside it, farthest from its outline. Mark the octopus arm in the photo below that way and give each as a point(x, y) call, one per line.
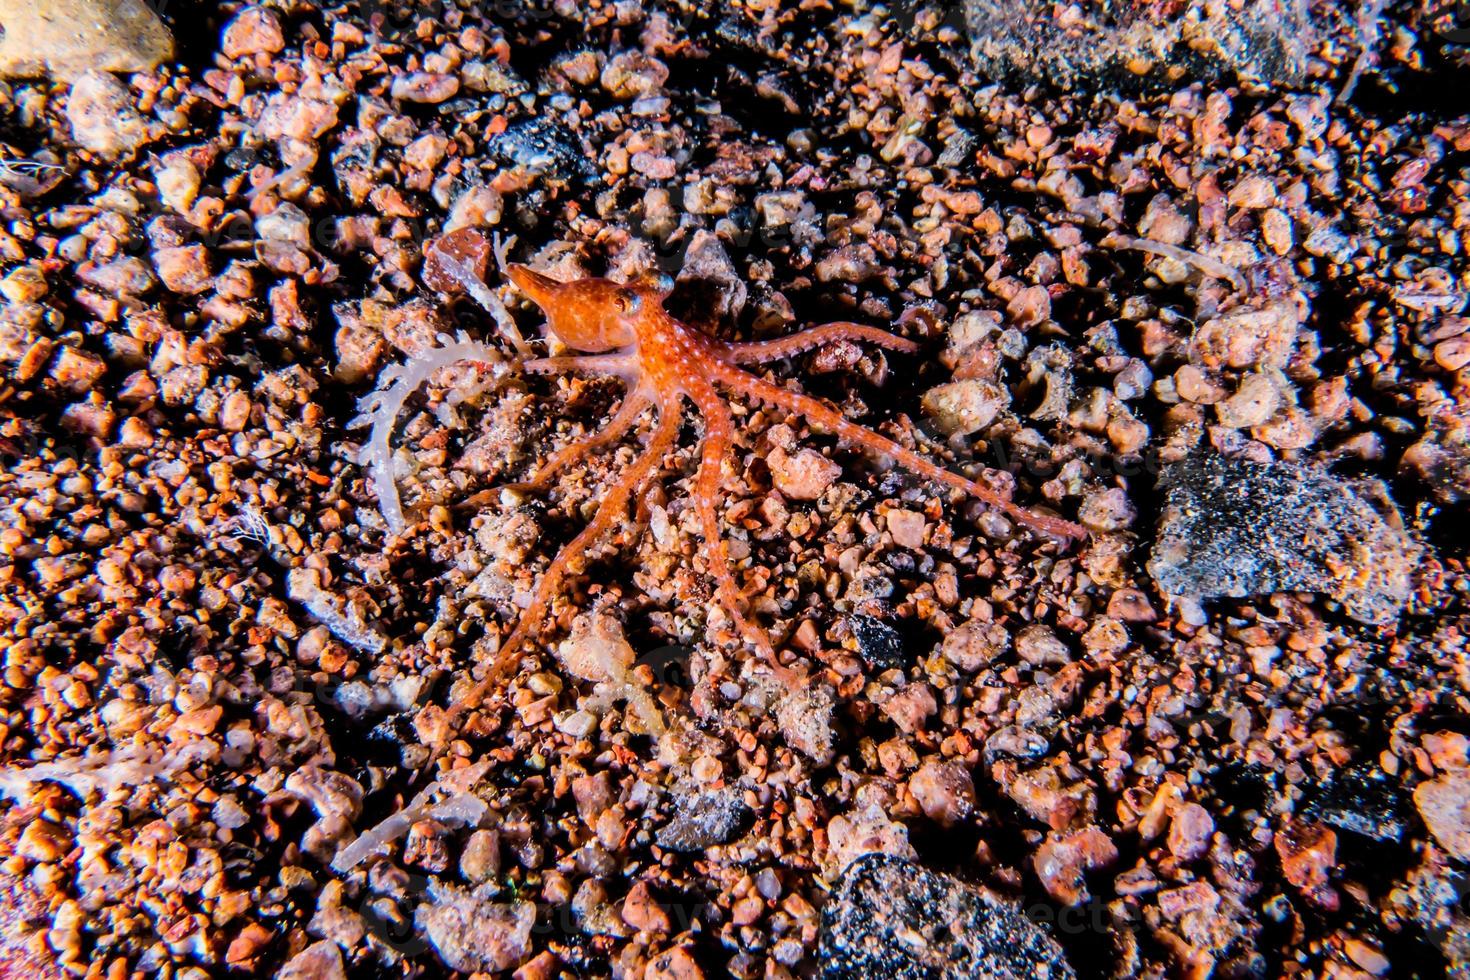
point(614, 505)
point(622, 364)
point(718, 443)
point(824, 415)
point(382, 408)
point(635, 403)
point(763, 351)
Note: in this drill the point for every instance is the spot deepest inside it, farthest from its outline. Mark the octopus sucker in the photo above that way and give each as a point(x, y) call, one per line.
point(623, 330)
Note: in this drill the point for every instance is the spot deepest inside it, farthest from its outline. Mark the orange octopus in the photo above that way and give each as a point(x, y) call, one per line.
point(624, 330)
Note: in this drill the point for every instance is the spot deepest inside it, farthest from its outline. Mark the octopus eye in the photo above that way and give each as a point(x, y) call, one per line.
point(629, 302)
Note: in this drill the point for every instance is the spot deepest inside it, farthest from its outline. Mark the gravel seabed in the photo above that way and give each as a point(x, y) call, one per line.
point(228, 748)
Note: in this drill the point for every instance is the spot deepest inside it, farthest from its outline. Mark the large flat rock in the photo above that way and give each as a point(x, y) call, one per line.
point(896, 919)
point(64, 38)
point(1094, 45)
point(1237, 528)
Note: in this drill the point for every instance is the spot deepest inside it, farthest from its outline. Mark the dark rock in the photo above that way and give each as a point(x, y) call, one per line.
point(1362, 800)
point(669, 664)
point(703, 819)
point(880, 645)
point(707, 265)
point(894, 919)
point(383, 744)
point(1232, 527)
point(544, 148)
point(1131, 46)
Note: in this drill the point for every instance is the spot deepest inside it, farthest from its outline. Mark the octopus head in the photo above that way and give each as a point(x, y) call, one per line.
point(592, 315)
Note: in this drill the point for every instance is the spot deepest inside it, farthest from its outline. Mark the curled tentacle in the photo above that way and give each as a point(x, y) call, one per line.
point(381, 409)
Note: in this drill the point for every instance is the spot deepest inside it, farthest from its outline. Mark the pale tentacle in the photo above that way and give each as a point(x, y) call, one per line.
point(382, 408)
point(719, 441)
point(762, 351)
point(613, 506)
point(463, 273)
point(834, 420)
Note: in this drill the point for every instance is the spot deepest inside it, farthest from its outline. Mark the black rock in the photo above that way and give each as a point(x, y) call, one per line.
point(894, 919)
point(1248, 786)
point(543, 147)
point(1363, 800)
point(880, 645)
point(1233, 527)
point(702, 820)
point(383, 743)
point(670, 665)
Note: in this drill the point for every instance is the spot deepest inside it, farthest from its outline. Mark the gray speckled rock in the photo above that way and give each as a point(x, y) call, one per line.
point(894, 919)
point(65, 38)
point(1132, 45)
point(702, 820)
point(1232, 527)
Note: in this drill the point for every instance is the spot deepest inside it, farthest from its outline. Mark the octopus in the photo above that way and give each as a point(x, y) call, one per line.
point(623, 330)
